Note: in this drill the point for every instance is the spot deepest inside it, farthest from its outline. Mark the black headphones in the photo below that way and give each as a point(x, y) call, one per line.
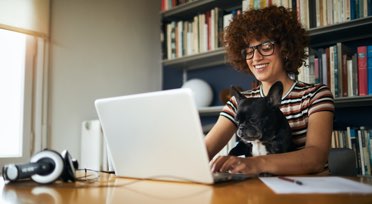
point(45, 167)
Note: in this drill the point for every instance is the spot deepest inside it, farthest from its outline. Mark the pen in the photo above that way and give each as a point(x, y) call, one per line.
point(291, 180)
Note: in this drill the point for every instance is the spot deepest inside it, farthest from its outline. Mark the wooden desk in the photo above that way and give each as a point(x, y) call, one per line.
point(141, 191)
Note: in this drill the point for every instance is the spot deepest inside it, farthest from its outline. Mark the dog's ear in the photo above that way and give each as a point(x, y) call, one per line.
point(275, 93)
point(236, 93)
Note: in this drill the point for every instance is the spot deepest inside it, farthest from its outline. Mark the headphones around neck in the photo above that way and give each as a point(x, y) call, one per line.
point(44, 167)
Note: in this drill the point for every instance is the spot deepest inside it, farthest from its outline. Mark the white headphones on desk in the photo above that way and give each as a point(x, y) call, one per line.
point(45, 167)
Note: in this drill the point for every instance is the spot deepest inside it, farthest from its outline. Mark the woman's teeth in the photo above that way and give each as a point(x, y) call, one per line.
point(260, 66)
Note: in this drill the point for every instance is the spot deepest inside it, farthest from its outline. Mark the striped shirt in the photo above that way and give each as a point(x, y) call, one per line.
point(297, 105)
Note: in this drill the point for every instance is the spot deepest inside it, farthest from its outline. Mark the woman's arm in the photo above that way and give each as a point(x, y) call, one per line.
point(219, 136)
point(310, 159)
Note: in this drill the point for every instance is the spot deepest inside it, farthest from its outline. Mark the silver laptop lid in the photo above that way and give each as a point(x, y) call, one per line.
point(155, 135)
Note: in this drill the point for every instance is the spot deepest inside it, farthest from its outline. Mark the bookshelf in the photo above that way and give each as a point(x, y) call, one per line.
point(353, 30)
point(351, 111)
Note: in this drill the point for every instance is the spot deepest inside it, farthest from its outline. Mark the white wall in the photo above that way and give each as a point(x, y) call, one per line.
point(99, 48)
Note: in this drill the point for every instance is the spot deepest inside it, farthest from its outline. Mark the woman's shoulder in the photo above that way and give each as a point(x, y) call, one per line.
point(309, 87)
point(303, 90)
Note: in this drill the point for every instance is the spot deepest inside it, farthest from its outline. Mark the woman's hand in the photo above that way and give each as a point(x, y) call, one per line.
point(233, 164)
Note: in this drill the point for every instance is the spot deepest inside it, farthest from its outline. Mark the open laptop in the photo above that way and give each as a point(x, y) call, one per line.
point(157, 135)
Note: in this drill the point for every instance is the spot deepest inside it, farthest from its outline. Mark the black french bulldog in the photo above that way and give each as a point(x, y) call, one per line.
point(262, 127)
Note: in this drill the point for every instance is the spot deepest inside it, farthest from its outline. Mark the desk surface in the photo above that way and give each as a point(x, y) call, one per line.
point(111, 189)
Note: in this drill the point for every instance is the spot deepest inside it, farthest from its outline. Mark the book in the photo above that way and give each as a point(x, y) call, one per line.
point(323, 66)
point(310, 73)
point(342, 54)
point(361, 152)
point(348, 137)
point(370, 145)
point(336, 71)
point(312, 13)
point(317, 76)
point(362, 70)
point(332, 84)
point(353, 10)
point(350, 78)
point(354, 60)
point(355, 146)
point(344, 76)
point(365, 158)
point(369, 68)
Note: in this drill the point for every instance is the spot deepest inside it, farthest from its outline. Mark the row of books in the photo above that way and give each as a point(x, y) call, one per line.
point(200, 34)
point(169, 4)
point(311, 13)
point(317, 13)
point(347, 72)
point(359, 140)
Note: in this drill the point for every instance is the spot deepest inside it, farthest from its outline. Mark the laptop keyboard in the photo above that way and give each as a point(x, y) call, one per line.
point(221, 177)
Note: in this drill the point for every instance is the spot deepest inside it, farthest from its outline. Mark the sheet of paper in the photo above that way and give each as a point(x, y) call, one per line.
point(324, 184)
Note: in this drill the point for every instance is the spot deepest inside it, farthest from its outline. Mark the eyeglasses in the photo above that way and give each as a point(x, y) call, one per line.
point(265, 49)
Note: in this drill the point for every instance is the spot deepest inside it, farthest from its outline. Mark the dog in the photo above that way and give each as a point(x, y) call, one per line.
point(262, 127)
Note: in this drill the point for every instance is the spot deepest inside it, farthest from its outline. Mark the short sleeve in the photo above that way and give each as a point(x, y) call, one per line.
point(229, 110)
point(321, 100)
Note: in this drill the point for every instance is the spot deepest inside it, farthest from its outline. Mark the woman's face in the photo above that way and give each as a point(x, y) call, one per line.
point(267, 68)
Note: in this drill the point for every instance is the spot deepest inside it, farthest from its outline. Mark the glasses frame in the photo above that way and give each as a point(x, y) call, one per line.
point(258, 47)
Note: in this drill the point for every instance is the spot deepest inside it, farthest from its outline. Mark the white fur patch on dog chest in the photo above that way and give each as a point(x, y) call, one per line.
point(258, 148)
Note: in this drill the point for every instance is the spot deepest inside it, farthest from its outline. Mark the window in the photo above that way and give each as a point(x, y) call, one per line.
point(12, 73)
point(24, 27)
point(16, 65)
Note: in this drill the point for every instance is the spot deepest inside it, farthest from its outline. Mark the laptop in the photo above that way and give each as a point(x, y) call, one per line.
point(157, 135)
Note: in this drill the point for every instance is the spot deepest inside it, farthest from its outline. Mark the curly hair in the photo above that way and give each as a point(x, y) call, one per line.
point(275, 23)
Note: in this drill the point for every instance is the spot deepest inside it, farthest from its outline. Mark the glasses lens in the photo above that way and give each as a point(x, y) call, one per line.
point(266, 48)
point(249, 52)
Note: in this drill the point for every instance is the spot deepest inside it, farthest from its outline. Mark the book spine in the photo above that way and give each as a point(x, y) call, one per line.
point(369, 68)
point(344, 76)
point(324, 68)
point(313, 13)
point(354, 59)
point(364, 142)
point(339, 69)
point(350, 77)
point(367, 150)
point(336, 68)
point(370, 146)
point(355, 147)
point(317, 75)
point(362, 70)
point(348, 136)
point(352, 9)
point(361, 153)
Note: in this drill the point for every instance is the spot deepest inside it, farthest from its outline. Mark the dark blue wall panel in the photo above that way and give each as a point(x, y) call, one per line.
point(219, 78)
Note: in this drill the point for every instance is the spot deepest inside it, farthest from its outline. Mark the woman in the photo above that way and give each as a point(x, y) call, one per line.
point(269, 44)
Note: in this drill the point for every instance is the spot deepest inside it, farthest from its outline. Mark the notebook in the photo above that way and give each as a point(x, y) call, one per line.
point(157, 135)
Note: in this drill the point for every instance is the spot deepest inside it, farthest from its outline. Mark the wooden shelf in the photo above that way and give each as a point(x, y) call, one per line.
point(353, 101)
point(191, 9)
point(198, 61)
point(328, 35)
